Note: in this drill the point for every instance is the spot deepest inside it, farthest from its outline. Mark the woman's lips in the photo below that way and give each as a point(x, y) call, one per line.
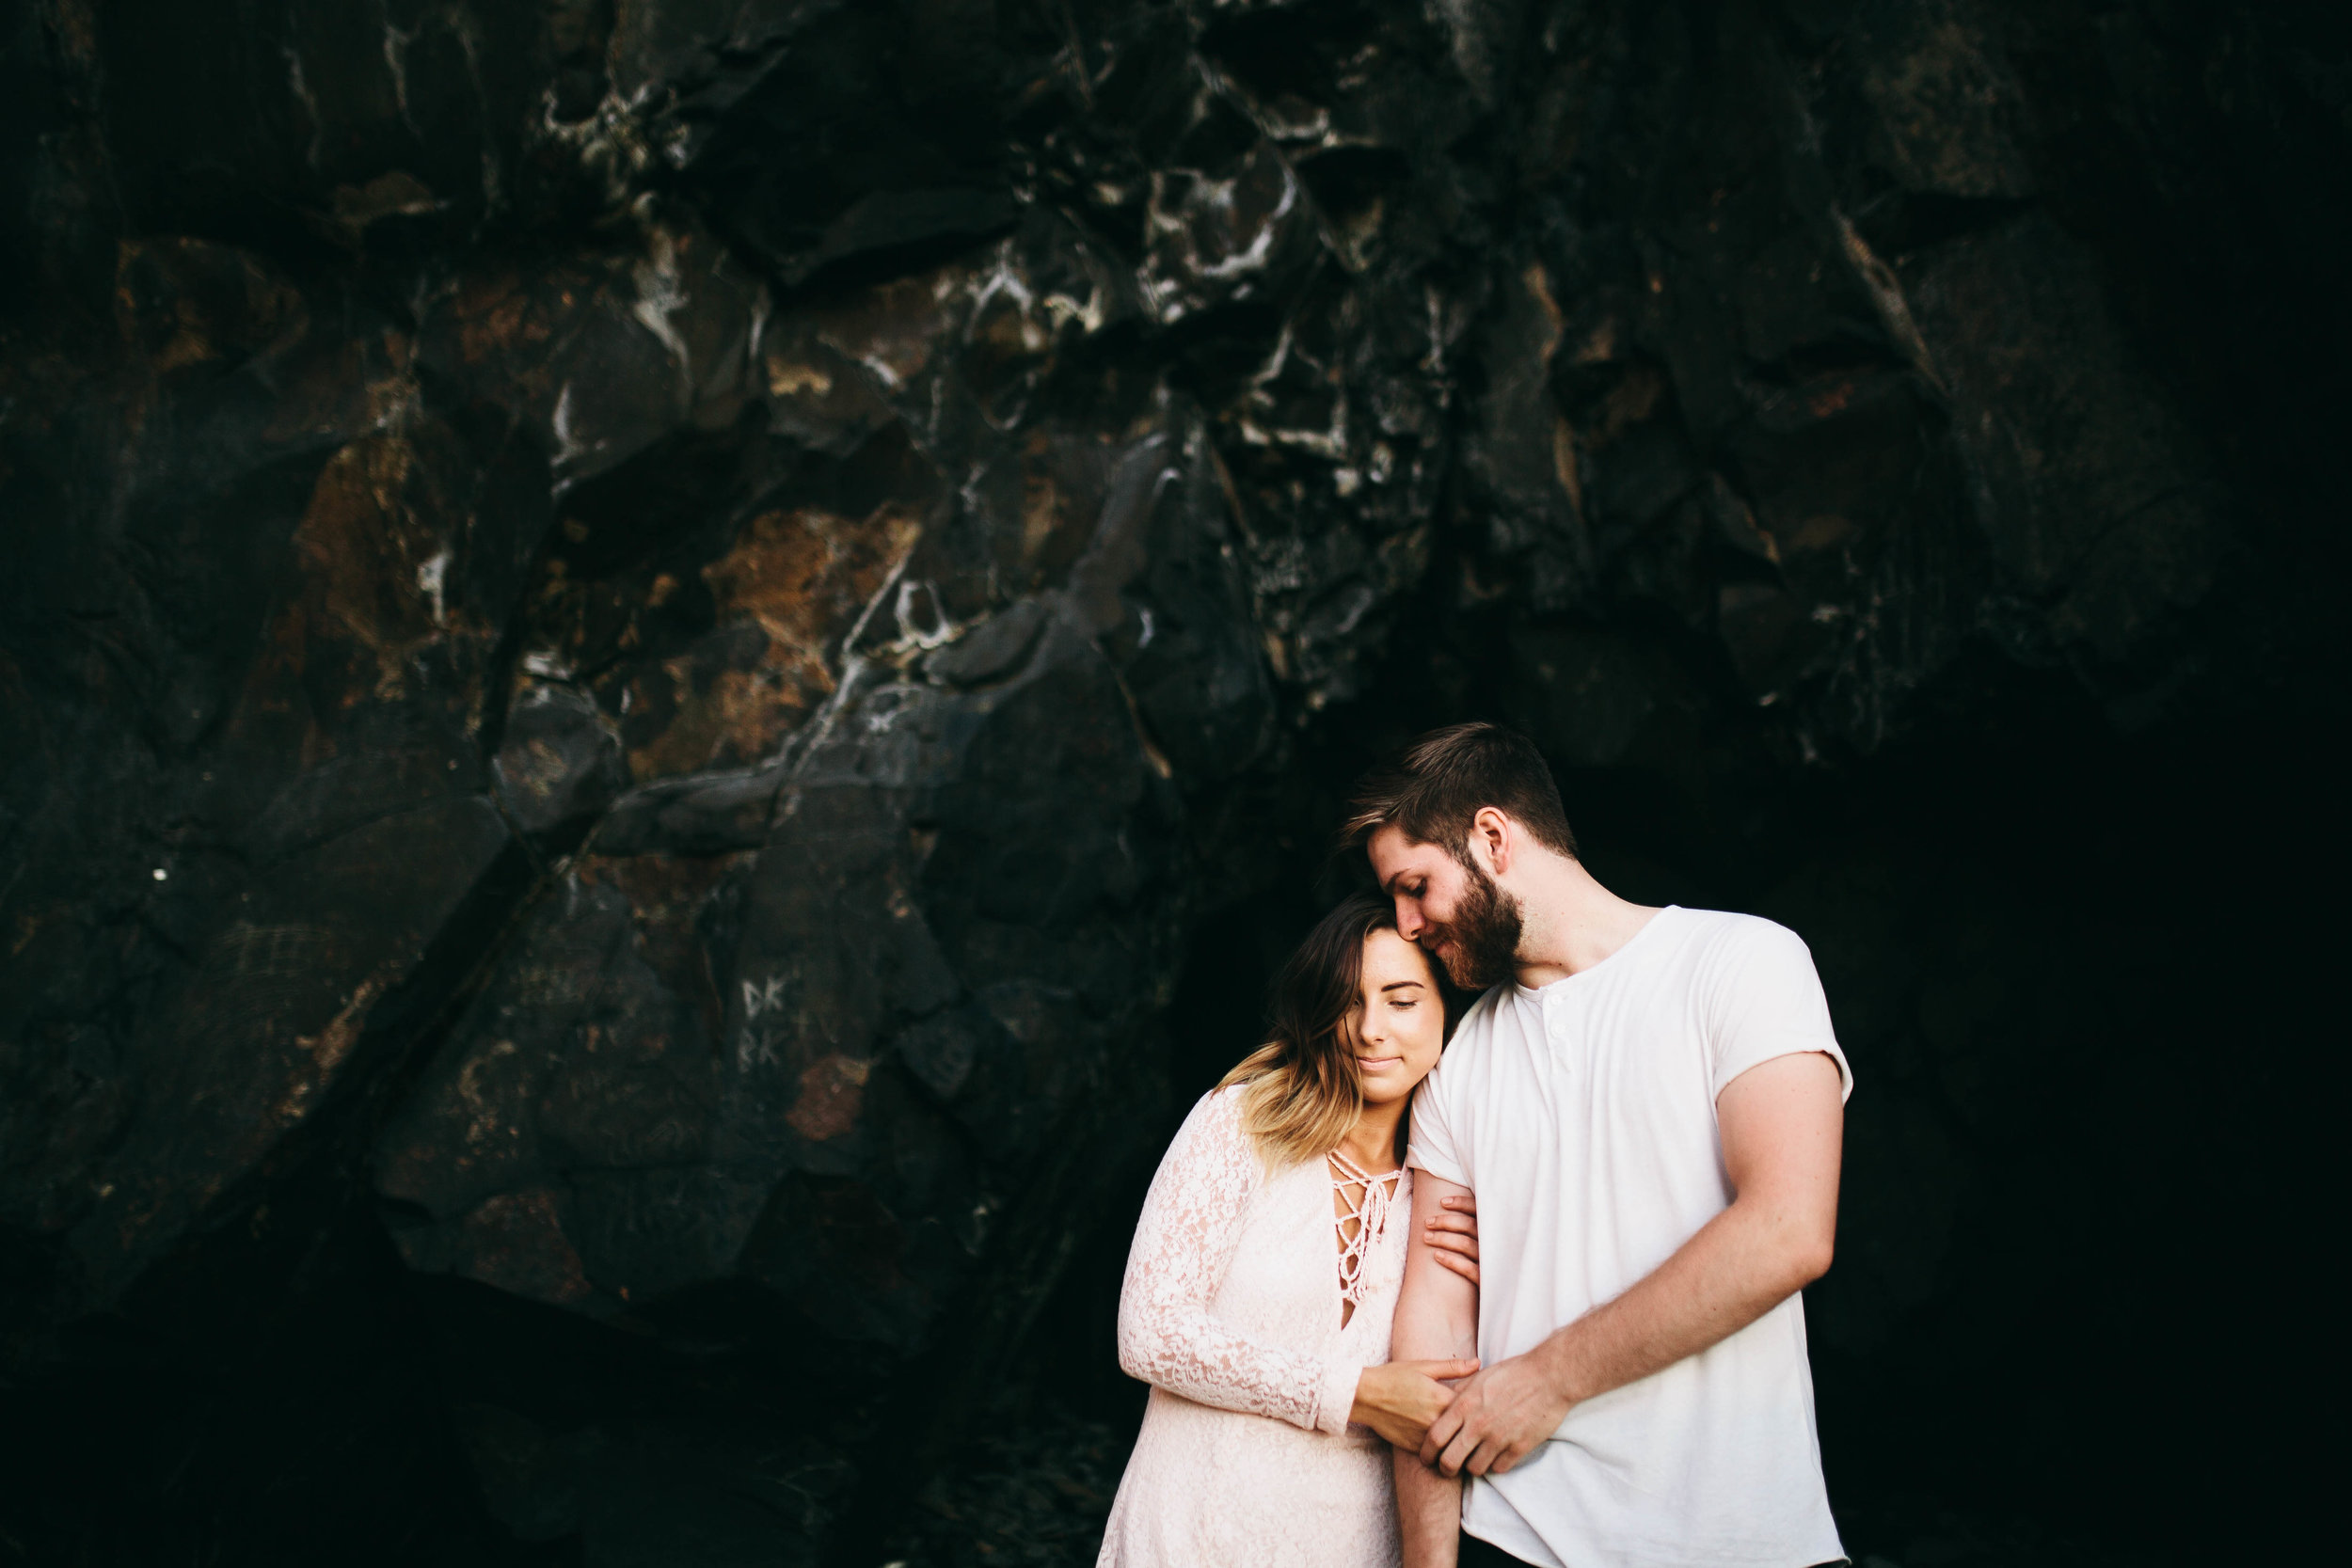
point(1377, 1064)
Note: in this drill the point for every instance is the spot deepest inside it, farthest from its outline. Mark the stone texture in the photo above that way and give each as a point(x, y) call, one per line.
point(669, 667)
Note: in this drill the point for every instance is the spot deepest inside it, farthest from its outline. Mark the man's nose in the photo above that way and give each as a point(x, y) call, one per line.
point(1408, 921)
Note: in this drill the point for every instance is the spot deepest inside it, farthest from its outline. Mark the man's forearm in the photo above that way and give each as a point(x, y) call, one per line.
point(1739, 1266)
point(1437, 1320)
point(1430, 1326)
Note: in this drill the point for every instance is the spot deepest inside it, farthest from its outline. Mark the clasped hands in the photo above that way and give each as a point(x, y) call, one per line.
point(1399, 1398)
point(1485, 1421)
point(1455, 1416)
point(1496, 1418)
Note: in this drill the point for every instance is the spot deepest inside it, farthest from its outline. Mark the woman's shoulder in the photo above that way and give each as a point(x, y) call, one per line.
point(1218, 1114)
point(1214, 1130)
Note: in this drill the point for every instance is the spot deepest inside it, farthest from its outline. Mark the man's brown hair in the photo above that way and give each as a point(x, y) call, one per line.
point(1434, 786)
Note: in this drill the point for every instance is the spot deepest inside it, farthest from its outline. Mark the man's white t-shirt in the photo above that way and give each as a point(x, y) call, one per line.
point(1582, 1115)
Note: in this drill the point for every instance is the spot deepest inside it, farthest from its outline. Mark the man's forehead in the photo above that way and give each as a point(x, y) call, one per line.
point(1391, 846)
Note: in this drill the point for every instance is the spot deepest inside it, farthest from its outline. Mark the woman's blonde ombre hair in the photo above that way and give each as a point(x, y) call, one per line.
point(1301, 1091)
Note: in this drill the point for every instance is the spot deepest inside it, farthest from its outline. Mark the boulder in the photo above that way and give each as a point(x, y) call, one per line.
point(672, 670)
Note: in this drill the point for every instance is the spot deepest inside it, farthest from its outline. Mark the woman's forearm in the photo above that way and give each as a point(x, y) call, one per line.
point(1182, 1347)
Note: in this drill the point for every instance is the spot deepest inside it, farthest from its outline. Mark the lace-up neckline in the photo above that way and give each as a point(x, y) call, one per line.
point(1361, 1214)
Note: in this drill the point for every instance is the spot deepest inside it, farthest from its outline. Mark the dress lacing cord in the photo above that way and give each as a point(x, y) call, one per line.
point(1367, 1199)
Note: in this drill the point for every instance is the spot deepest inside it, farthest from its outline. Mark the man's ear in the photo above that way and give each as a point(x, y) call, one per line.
point(1498, 834)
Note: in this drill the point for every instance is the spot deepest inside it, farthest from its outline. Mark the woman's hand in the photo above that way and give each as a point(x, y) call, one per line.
point(1400, 1400)
point(1452, 1236)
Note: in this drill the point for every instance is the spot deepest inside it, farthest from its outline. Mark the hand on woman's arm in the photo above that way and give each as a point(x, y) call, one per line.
point(1400, 1399)
point(1453, 1233)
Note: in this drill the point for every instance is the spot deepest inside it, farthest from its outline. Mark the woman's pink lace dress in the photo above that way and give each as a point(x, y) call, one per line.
point(1233, 1312)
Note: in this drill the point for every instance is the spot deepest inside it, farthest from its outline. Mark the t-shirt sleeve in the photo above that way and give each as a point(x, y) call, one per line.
point(1432, 1146)
point(1766, 1001)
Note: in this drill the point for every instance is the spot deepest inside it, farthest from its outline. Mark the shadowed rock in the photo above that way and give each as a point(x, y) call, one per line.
point(642, 645)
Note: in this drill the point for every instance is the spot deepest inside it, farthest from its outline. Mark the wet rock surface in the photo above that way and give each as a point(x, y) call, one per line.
point(672, 670)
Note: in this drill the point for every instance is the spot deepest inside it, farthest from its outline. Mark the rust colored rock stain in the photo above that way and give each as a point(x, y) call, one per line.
point(790, 589)
point(185, 302)
point(1830, 400)
point(367, 551)
point(311, 1067)
point(1041, 514)
point(331, 1045)
point(894, 328)
point(497, 316)
point(1632, 401)
point(832, 1089)
point(516, 1242)
point(488, 1130)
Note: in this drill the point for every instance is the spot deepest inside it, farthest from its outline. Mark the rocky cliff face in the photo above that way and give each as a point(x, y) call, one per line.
point(669, 669)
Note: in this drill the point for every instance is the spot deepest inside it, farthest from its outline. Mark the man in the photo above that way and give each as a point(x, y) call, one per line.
point(1648, 1104)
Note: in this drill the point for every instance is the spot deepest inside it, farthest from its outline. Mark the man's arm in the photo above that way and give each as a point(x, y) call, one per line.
point(1783, 1122)
point(1437, 1318)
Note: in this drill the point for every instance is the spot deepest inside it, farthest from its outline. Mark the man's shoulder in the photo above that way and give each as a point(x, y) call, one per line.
point(1471, 1046)
point(1481, 1015)
point(1475, 1032)
point(1725, 934)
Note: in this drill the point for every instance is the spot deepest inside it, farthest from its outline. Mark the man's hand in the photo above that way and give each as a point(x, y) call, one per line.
point(1498, 1417)
point(1452, 1234)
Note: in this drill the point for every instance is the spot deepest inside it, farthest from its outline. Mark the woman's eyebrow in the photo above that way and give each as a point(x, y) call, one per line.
point(1402, 985)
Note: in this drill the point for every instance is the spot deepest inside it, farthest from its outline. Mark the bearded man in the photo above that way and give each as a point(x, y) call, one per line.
point(1648, 1104)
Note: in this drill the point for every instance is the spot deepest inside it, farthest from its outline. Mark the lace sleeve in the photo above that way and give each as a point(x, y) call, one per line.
point(1191, 1223)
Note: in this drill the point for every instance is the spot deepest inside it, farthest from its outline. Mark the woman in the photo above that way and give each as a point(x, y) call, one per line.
point(1265, 1273)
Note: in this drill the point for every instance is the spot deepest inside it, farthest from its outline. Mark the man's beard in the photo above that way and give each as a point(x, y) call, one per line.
point(1484, 935)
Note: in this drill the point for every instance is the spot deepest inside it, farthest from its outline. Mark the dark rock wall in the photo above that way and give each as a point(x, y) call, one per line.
point(670, 669)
